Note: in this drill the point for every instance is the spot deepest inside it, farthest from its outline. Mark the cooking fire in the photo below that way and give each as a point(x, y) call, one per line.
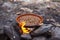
point(28, 20)
point(24, 29)
point(30, 25)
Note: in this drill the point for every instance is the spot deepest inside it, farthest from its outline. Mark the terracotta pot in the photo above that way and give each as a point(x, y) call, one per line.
point(31, 20)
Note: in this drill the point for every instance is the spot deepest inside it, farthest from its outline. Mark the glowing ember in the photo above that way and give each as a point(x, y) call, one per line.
point(25, 30)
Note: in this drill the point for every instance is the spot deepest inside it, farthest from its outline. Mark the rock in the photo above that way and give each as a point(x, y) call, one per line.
point(35, 1)
point(54, 38)
point(26, 36)
point(18, 13)
point(1, 29)
point(42, 29)
point(39, 38)
point(57, 24)
point(27, 9)
point(56, 32)
point(8, 6)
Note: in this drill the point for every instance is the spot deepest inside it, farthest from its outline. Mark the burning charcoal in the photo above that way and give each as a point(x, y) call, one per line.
point(26, 36)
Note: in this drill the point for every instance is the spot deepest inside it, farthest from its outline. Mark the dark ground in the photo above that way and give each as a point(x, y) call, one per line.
point(49, 11)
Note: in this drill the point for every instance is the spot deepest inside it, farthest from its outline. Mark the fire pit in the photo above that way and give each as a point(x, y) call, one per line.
point(28, 20)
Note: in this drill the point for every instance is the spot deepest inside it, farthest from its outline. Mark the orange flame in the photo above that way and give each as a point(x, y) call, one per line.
point(25, 30)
